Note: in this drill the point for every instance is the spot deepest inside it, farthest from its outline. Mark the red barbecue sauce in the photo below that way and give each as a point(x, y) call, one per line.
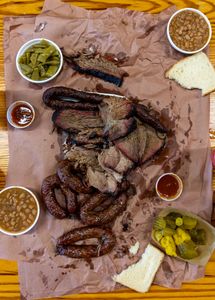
point(168, 186)
point(22, 115)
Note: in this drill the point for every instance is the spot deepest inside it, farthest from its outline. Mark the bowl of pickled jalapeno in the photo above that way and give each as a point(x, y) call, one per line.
point(184, 235)
point(39, 60)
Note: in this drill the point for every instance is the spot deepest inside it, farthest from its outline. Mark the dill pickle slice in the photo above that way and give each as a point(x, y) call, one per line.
point(187, 250)
point(158, 235)
point(179, 221)
point(198, 236)
point(168, 231)
point(159, 223)
point(189, 223)
point(170, 222)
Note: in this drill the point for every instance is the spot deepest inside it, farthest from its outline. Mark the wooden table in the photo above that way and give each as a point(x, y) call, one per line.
point(9, 284)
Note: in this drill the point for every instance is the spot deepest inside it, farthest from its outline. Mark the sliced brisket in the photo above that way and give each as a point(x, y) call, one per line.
point(133, 145)
point(113, 159)
point(154, 144)
point(97, 66)
point(144, 116)
point(74, 121)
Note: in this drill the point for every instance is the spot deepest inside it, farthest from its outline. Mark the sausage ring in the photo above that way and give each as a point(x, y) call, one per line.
point(69, 176)
point(66, 243)
point(89, 216)
point(49, 184)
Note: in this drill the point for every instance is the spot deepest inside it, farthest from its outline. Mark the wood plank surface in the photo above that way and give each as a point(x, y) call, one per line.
point(9, 285)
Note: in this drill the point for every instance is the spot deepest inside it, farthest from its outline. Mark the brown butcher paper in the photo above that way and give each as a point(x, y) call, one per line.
point(34, 151)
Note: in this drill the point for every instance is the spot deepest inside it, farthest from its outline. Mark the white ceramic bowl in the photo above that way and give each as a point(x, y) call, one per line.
point(179, 190)
point(37, 216)
point(10, 109)
point(29, 44)
point(202, 15)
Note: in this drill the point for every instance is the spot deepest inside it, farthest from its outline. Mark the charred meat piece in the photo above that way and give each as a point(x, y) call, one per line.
point(74, 121)
point(154, 143)
point(133, 145)
point(144, 116)
point(89, 216)
point(87, 161)
point(66, 243)
point(63, 97)
point(115, 160)
point(82, 158)
point(97, 66)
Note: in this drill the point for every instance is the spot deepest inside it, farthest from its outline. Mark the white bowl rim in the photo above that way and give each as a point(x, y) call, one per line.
point(205, 18)
point(181, 186)
point(37, 216)
point(25, 46)
point(13, 105)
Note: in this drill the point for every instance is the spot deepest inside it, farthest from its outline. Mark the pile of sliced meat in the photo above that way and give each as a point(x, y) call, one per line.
point(103, 138)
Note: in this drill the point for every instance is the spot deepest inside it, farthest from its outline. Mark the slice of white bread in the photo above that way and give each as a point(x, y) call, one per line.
point(195, 71)
point(139, 276)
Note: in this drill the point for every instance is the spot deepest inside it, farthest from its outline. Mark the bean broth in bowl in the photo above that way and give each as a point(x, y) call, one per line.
point(19, 210)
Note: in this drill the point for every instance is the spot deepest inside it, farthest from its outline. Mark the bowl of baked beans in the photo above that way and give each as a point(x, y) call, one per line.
point(19, 210)
point(189, 30)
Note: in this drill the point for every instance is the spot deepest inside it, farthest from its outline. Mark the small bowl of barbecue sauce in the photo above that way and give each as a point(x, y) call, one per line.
point(169, 186)
point(20, 114)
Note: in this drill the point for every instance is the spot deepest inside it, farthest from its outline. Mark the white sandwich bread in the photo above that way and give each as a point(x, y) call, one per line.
point(139, 276)
point(195, 71)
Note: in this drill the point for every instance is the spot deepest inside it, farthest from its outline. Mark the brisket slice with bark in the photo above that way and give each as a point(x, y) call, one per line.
point(133, 145)
point(154, 143)
point(114, 108)
point(120, 128)
point(74, 121)
point(117, 116)
point(143, 114)
point(97, 66)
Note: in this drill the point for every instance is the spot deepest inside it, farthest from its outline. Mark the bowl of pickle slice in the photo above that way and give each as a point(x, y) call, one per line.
point(184, 235)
